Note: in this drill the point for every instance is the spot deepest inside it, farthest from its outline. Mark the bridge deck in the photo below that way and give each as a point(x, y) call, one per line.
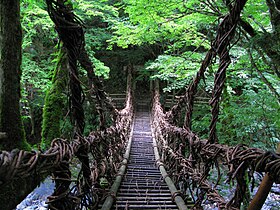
point(142, 186)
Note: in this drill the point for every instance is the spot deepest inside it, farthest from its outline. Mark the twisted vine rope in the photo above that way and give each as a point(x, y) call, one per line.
point(106, 147)
point(173, 141)
point(70, 31)
point(19, 164)
point(192, 171)
point(220, 46)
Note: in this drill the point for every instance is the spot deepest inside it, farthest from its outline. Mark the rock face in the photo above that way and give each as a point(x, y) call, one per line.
point(37, 199)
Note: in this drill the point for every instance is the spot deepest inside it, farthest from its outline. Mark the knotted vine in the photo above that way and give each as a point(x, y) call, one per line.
point(70, 31)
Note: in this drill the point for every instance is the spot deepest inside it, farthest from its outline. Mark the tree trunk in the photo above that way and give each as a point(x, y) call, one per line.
point(10, 73)
point(54, 102)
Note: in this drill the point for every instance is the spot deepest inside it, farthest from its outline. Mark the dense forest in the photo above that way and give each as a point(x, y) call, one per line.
point(166, 40)
point(59, 60)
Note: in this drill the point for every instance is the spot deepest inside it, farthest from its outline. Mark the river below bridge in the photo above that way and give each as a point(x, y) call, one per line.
point(37, 199)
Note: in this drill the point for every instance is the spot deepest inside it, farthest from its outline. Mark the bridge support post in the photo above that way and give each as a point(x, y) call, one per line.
point(59, 199)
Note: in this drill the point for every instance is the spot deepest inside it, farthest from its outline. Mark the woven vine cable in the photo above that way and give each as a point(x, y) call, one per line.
point(191, 169)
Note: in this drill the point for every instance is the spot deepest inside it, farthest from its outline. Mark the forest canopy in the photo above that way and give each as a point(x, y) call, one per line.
point(167, 41)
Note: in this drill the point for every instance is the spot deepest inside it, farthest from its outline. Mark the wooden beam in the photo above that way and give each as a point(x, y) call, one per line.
point(263, 191)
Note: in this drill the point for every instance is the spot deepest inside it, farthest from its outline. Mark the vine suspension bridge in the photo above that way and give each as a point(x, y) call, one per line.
point(146, 176)
point(147, 160)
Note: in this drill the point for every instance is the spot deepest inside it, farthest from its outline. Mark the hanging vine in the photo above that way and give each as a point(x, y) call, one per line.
point(70, 31)
point(221, 46)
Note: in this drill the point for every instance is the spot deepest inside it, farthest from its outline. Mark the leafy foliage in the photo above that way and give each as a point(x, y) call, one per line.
point(176, 69)
point(181, 32)
point(252, 119)
point(184, 30)
point(39, 57)
point(97, 16)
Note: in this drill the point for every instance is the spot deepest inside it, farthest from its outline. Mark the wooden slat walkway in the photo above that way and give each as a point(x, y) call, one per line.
point(142, 186)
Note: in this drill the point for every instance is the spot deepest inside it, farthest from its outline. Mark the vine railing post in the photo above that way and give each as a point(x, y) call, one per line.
point(225, 34)
point(70, 31)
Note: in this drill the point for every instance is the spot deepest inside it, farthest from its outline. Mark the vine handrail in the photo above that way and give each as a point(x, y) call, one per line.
point(20, 164)
point(191, 171)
